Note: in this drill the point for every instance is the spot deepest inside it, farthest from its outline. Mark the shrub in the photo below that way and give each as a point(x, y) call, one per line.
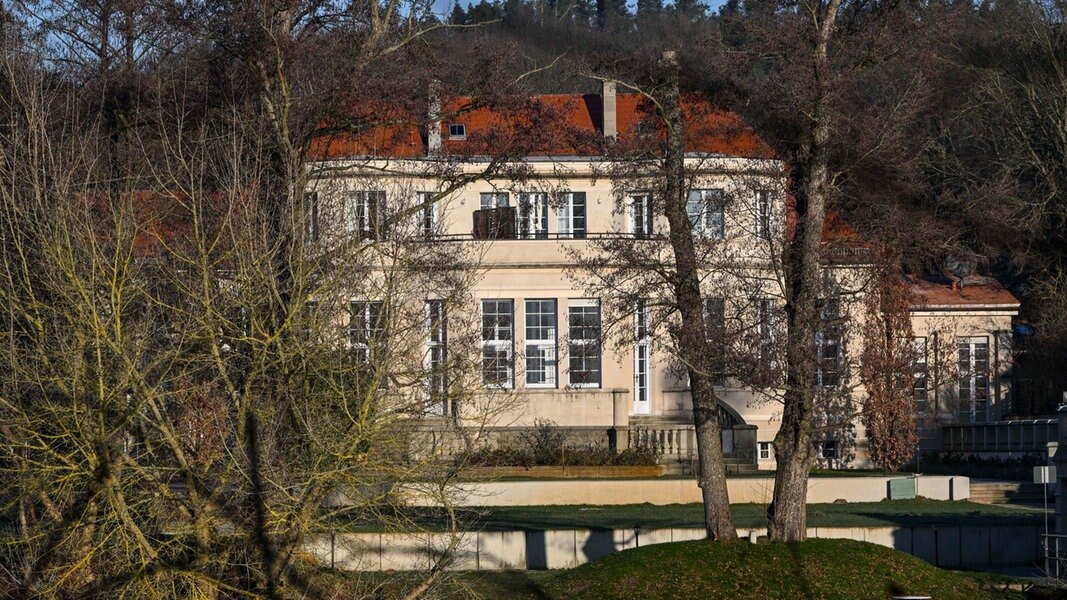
point(547, 445)
point(546, 442)
point(500, 456)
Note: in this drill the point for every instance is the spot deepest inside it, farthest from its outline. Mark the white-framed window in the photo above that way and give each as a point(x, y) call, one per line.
point(541, 343)
point(762, 214)
point(764, 450)
point(973, 365)
point(642, 357)
point(366, 329)
point(498, 335)
point(571, 222)
point(920, 384)
point(705, 210)
point(826, 449)
point(487, 200)
point(457, 131)
point(428, 221)
point(828, 345)
point(533, 216)
point(639, 215)
point(436, 362)
point(583, 347)
point(311, 216)
point(366, 215)
point(714, 327)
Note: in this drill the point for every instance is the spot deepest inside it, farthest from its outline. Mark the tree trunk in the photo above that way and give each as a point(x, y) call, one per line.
point(793, 445)
point(692, 335)
point(718, 520)
point(795, 454)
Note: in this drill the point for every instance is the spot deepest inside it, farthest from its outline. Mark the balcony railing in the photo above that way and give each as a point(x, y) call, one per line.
point(847, 255)
point(675, 441)
point(495, 223)
point(1032, 435)
point(538, 237)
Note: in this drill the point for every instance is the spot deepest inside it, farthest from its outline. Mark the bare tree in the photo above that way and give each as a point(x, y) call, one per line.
point(888, 372)
point(692, 332)
point(668, 281)
point(200, 374)
point(806, 66)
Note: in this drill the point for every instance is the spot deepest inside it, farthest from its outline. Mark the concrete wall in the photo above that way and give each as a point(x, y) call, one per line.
point(684, 491)
point(565, 407)
point(953, 547)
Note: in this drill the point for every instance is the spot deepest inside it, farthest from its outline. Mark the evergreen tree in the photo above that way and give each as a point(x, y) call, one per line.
point(691, 9)
point(649, 8)
point(459, 16)
point(611, 13)
point(484, 12)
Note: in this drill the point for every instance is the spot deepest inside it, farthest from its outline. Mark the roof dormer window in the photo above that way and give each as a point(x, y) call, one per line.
point(457, 131)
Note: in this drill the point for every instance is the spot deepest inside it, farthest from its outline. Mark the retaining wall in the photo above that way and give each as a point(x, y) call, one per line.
point(974, 546)
point(743, 490)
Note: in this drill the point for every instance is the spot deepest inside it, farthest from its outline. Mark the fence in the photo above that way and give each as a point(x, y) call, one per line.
point(1054, 551)
point(1031, 435)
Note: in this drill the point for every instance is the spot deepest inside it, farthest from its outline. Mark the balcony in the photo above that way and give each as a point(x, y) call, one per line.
point(495, 223)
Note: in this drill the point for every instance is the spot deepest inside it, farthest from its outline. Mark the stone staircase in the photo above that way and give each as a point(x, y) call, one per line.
point(737, 466)
point(1007, 492)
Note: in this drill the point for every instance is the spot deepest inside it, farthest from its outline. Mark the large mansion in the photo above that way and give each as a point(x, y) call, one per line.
point(556, 343)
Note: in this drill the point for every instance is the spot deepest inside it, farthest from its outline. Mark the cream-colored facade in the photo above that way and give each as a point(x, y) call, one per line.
point(967, 345)
point(552, 349)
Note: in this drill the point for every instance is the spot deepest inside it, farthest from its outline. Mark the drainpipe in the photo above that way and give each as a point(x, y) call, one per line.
point(620, 418)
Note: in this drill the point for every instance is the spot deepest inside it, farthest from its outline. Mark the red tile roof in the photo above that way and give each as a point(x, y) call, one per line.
point(973, 291)
point(546, 125)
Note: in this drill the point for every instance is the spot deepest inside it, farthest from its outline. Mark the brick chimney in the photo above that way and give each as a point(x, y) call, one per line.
point(434, 142)
point(611, 113)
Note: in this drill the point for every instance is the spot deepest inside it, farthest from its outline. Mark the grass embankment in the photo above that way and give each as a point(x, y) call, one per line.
point(813, 569)
point(857, 514)
point(826, 569)
point(648, 516)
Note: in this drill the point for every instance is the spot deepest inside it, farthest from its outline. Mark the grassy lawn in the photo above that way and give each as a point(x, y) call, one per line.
point(827, 569)
point(858, 514)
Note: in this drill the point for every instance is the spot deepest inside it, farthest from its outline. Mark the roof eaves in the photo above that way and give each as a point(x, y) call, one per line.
point(965, 307)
